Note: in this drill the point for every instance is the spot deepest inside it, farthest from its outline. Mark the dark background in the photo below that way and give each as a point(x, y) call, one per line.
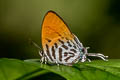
point(95, 22)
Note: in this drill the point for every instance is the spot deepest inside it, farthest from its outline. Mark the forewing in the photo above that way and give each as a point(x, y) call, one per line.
point(53, 29)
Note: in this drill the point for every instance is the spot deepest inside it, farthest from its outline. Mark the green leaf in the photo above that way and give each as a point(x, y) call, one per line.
point(11, 69)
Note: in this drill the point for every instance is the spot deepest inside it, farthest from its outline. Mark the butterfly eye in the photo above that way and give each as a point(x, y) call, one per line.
point(83, 50)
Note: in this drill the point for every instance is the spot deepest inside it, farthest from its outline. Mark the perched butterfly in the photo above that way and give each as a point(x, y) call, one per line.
point(60, 45)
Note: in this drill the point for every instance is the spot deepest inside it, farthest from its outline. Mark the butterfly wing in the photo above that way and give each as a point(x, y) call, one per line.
point(58, 42)
point(53, 28)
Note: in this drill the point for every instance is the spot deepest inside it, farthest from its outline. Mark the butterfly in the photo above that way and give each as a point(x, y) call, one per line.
point(60, 45)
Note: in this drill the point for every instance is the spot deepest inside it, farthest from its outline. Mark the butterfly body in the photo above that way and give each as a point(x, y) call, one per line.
point(59, 45)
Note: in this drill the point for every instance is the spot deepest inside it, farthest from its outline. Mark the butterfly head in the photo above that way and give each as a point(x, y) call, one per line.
point(84, 50)
point(83, 55)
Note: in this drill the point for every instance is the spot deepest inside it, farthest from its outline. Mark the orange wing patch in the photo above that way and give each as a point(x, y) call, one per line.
point(54, 28)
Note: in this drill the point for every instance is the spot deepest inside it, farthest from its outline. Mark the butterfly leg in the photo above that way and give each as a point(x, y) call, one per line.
point(88, 60)
point(57, 63)
point(98, 55)
point(45, 60)
point(83, 58)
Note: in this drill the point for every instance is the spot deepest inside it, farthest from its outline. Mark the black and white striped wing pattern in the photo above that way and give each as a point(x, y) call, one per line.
point(65, 52)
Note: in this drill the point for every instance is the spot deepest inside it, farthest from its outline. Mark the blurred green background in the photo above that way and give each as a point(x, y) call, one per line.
point(95, 22)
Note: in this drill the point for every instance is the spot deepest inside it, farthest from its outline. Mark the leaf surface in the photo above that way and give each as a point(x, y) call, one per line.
point(11, 69)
